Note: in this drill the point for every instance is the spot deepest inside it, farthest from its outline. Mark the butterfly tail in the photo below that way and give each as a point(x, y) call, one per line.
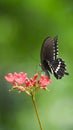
point(66, 73)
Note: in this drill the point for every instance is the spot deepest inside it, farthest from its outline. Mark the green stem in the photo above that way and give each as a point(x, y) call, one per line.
point(36, 110)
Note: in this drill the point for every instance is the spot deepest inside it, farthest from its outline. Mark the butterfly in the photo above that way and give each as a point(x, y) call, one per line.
point(49, 58)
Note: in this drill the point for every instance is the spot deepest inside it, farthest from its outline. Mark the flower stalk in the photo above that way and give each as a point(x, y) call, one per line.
point(36, 111)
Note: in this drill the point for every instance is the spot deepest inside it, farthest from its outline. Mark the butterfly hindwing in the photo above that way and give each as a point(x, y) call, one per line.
point(59, 68)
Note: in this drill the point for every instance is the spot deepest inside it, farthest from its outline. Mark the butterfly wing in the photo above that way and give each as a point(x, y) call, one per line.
point(49, 49)
point(59, 68)
point(55, 48)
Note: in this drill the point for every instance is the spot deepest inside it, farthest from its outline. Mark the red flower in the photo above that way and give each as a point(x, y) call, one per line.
point(16, 78)
point(20, 78)
point(31, 82)
point(34, 80)
point(21, 82)
point(10, 78)
point(44, 81)
point(35, 77)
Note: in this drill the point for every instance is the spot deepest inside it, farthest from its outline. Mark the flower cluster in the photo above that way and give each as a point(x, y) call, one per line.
point(22, 83)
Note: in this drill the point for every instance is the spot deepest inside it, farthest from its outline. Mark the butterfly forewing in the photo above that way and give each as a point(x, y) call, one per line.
point(49, 50)
point(55, 48)
point(46, 50)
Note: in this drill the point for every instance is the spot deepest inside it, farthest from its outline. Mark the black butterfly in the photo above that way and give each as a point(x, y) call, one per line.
point(49, 58)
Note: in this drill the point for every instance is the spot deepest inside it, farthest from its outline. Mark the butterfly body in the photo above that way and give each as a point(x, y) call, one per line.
point(49, 58)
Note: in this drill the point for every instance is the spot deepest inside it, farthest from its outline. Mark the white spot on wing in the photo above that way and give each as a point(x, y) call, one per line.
point(58, 67)
point(55, 50)
point(50, 66)
point(51, 70)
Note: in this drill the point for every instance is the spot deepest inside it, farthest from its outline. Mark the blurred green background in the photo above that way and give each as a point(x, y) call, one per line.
point(24, 24)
